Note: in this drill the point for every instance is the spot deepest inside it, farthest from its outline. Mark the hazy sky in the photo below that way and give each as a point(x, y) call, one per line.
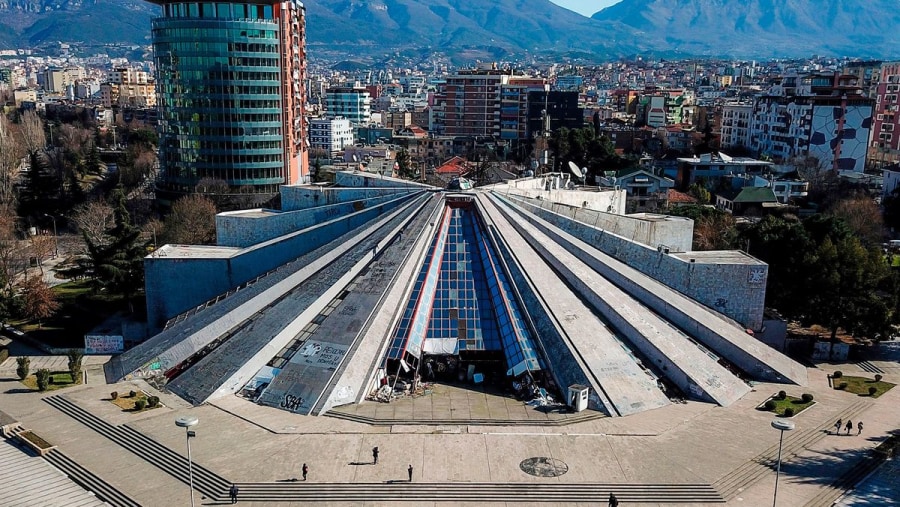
point(586, 7)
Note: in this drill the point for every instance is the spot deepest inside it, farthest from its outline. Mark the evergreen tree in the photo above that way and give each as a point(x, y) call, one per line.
point(92, 163)
point(119, 264)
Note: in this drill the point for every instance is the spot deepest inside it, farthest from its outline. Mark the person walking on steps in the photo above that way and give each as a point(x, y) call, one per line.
point(849, 426)
point(837, 426)
point(375, 455)
point(410, 472)
point(233, 492)
point(305, 471)
point(859, 427)
point(613, 501)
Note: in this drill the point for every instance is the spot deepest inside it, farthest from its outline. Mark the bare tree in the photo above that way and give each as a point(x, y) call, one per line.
point(192, 221)
point(33, 137)
point(213, 186)
point(862, 215)
point(42, 246)
point(40, 301)
point(76, 139)
point(153, 231)
point(714, 232)
point(10, 254)
point(11, 154)
point(146, 163)
point(813, 170)
point(94, 219)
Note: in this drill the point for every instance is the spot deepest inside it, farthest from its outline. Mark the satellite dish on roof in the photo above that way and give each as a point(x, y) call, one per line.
point(576, 170)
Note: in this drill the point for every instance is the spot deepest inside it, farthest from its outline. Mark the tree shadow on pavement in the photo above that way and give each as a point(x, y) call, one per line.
point(824, 467)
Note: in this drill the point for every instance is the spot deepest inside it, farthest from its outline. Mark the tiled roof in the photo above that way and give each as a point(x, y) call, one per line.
point(676, 197)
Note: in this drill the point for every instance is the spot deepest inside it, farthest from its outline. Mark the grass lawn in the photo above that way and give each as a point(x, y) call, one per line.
point(861, 385)
point(60, 380)
point(126, 403)
point(81, 310)
point(780, 405)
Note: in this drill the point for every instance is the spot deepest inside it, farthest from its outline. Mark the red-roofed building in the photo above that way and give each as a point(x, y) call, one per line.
point(456, 166)
point(677, 198)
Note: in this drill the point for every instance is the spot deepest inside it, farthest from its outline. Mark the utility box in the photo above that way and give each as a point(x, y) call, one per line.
point(578, 397)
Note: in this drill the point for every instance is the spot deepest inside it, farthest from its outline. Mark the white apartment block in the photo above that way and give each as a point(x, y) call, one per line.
point(127, 75)
point(736, 118)
point(330, 136)
point(817, 115)
point(56, 80)
point(128, 95)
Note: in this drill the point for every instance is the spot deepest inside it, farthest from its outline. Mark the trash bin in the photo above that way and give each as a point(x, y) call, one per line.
point(578, 397)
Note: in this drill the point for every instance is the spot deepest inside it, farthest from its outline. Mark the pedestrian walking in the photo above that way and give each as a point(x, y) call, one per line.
point(233, 492)
point(849, 426)
point(837, 426)
point(375, 455)
point(410, 472)
point(613, 501)
point(859, 427)
point(305, 471)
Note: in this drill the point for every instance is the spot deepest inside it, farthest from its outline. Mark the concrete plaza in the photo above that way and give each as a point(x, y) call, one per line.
point(728, 449)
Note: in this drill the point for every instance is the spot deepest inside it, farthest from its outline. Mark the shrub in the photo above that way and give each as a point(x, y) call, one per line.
point(878, 378)
point(806, 397)
point(842, 385)
point(873, 390)
point(782, 395)
point(837, 374)
point(43, 379)
point(113, 395)
point(75, 357)
point(132, 394)
point(140, 404)
point(153, 401)
point(23, 367)
point(4, 353)
point(789, 412)
point(770, 405)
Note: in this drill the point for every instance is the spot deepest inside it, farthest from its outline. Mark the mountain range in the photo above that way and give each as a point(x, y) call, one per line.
point(736, 28)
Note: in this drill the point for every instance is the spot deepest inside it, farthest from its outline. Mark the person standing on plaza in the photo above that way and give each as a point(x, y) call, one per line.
point(837, 426)
point(849, 426)
point(613, 501)
point(305, 471)
point(410, 470)
point(233, 492)
point(859, 427)
point(375, 455)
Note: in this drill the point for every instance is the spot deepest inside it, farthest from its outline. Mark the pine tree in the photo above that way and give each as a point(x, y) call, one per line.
point(119, 264)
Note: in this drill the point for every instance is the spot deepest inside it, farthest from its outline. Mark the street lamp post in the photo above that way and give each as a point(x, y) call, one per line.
point(55, 235)
point(187, 422)
point(782, 426)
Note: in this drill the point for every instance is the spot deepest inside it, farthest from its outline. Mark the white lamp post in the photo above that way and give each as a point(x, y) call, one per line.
point(782, 426)
point(187, 422)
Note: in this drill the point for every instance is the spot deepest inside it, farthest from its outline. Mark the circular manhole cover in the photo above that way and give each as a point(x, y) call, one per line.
point(544, 467)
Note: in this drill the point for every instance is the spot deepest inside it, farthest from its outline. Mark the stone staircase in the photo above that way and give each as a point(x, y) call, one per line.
point(215, 487)
point(869, 367)
point(419, 492)
point(206, 482)
point(587, 415)
point(87, 480)
point(795, 442)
